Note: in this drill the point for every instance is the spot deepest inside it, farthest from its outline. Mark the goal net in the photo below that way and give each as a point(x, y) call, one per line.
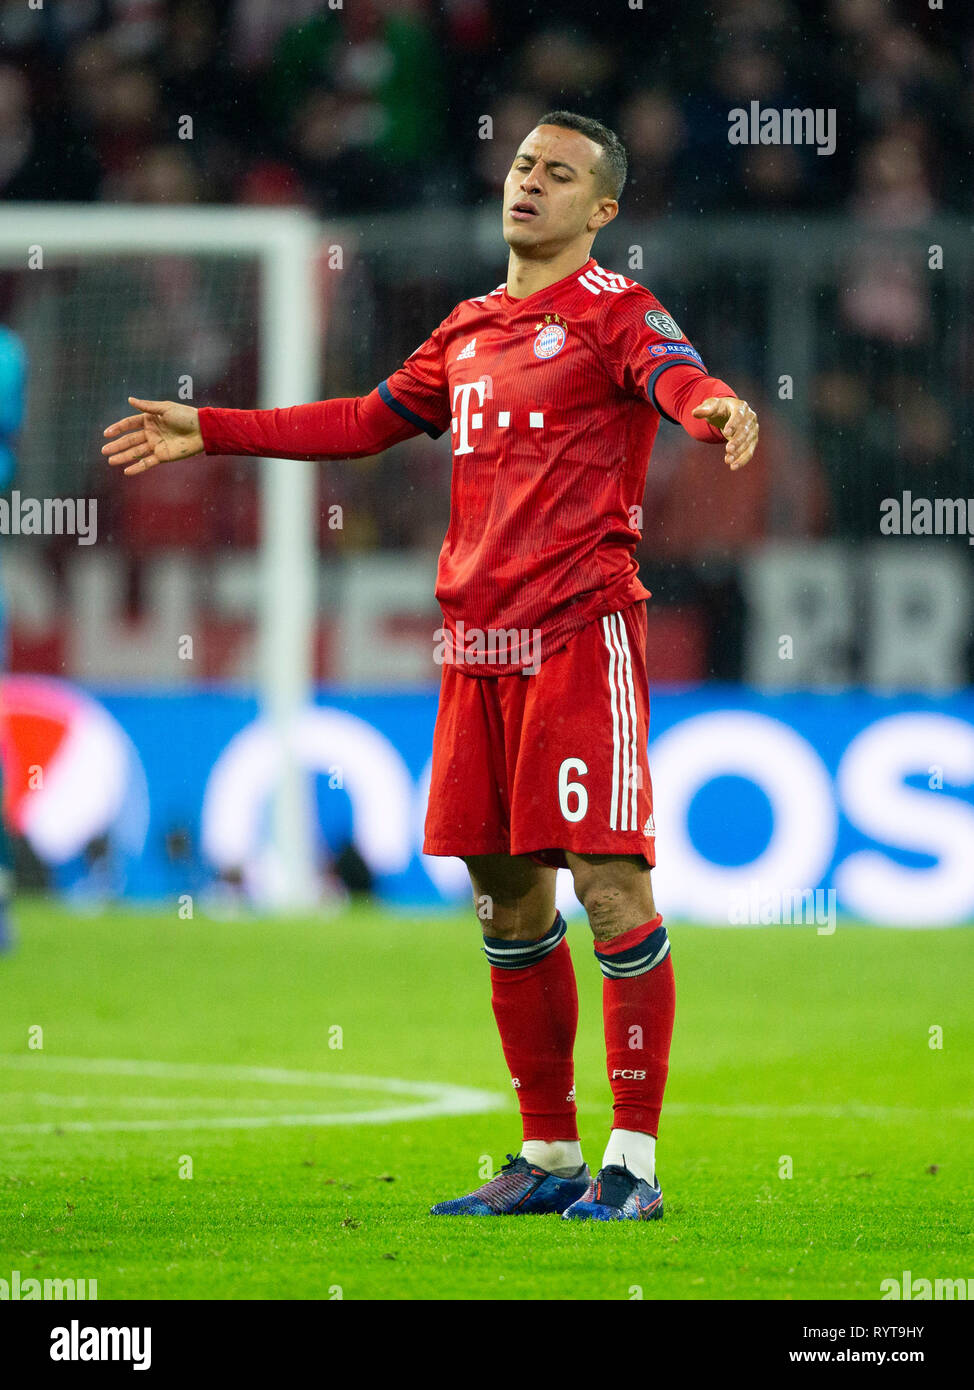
point(208, 306)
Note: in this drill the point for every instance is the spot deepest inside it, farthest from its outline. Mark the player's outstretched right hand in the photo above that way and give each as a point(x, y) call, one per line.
point(162, 432)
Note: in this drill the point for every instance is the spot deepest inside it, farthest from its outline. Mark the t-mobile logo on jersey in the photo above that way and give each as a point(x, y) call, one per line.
point(467, 417)
point(463, 421)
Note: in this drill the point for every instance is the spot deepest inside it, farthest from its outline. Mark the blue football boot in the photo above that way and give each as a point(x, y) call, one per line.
point(617, 1195)
point(519, 1189)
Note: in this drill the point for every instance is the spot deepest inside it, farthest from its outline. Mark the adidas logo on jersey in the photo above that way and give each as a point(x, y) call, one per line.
point(469, 351)
point(649, 828)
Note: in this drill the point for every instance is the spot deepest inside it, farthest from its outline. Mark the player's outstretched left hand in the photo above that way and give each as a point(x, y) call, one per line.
point(736, 421)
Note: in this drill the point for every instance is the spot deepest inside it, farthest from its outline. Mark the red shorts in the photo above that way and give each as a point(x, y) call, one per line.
point(549, 762)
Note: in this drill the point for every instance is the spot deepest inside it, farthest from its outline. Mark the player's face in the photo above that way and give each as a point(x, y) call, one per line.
point(552, 194)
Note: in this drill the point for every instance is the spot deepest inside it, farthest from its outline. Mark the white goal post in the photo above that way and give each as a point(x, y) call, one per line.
point(284, 244)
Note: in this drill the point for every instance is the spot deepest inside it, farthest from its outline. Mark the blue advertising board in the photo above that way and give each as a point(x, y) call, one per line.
point(866, 800)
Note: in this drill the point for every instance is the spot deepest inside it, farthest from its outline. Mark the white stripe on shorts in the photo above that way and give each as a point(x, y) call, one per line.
point(623, 810)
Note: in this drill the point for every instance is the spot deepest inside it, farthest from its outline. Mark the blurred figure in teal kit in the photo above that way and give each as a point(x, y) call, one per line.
point(13, 395)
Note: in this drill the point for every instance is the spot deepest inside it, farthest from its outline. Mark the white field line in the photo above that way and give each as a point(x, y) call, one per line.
point(850, 1110)
point(440, 1099)
point(435, 1099)
point(51, 1100)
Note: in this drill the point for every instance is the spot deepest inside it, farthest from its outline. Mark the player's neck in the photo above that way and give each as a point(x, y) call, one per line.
point(526, 276)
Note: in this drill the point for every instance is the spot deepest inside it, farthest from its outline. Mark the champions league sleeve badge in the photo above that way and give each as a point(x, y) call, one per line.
point(662, 323)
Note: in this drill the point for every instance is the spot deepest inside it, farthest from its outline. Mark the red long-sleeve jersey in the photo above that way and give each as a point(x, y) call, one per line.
point(553, 402)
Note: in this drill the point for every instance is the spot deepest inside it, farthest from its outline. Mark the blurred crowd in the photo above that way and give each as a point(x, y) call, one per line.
point(364, 106)
point(375, 104)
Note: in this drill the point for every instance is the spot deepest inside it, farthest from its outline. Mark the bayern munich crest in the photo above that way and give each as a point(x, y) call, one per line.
point(550, 338)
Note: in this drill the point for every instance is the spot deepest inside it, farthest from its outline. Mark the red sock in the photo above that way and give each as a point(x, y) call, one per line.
point(638, 1003)
point(535, 1004)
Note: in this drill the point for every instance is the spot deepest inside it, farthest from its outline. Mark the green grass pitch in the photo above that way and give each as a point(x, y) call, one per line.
point(175, 1047)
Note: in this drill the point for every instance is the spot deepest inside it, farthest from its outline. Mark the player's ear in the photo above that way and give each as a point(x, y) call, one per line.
point(607, 209)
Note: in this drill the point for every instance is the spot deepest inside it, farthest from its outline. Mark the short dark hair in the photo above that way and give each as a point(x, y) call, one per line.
point(613, 164)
